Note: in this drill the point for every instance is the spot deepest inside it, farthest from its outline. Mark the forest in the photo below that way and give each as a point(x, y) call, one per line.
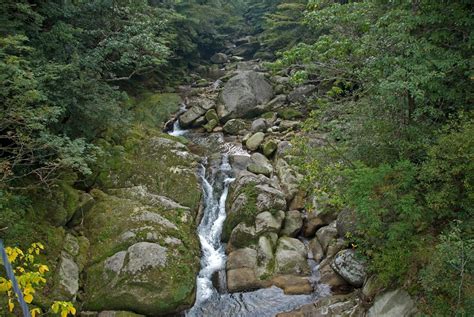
point(383, 135)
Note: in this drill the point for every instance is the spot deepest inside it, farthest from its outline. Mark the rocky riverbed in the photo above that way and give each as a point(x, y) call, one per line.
point(140, 229)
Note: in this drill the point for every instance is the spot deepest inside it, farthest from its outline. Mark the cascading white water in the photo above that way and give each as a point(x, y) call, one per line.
point(177, 131)
point(213, 256)
point(216, 179)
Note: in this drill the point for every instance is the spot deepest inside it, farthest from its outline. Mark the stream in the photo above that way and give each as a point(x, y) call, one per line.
point(216, 177)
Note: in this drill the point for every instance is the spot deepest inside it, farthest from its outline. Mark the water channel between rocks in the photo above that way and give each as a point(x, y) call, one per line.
point(216, 177)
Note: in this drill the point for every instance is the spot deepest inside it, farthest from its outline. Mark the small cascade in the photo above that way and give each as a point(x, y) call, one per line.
point(177, 130)
point(216, 179)
point(215, 189)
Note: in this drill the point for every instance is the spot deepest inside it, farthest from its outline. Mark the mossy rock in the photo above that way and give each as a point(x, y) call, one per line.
point(290, 113)
point(157, 161)
point(115, 225)
point(58, 203)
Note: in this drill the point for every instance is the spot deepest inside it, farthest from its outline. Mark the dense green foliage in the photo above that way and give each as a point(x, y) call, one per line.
point(395, 101)
point(66, 67)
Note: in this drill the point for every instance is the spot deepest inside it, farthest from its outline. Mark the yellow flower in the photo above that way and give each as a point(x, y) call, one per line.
point(35, 311)
point(43, 268)
point(10, 305)
point(28, 298)
point(5, 285)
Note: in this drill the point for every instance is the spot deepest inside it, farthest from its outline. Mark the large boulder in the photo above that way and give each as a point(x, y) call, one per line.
point(326, 235)
point(290, 257)
point(68, 277)
point(140, 239)
point(268, 222)
point(219, 58)
point(299, 94)
point(243, 94)
point(269, 147)
point(289, 179)
point(253, 143)
point(397, 303)
point(138, 246)
point(293, 223)
point(199, 107)
point(330, 277)
point(235, 126)
point(259, 125)
point(250, 195)
point(293, 285)
point(241, 258)
point(259, 164)
point(242, 236)
point(243, 279)
point(153, 168)
point(352, 269)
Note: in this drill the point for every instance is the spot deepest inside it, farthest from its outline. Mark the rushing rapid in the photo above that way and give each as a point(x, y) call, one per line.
point(216, 178)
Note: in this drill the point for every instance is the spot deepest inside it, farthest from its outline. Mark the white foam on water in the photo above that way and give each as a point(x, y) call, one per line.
point(177, 131)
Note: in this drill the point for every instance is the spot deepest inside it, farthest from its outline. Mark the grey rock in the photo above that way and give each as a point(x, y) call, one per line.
point(299, 94)
point(259, 164)
point(235, 126)
point(277, 102)
point(145, 255)
point(293, 285)
point(243, 279)
point(242, 236)
point(326, 235)
point(290, 257)
point(259, 125)
point(397, 303)
point(352, 269)
point(281, 80)
point(188, 118)
point(254, 141)
point(266, 222)
point(68, 277)
point(115, 262)
point(269, 198)
point(211, 114)
point(239, 162)
point(241, 258)
point(331, 278)
point(293, 223)
point(283, 148)
point(219, 58)
point(333, 306)
point(242, 94)
point(288, 178)
point(269, 148)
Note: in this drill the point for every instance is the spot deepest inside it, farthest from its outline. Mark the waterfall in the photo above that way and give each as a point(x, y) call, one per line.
point(209, 231)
